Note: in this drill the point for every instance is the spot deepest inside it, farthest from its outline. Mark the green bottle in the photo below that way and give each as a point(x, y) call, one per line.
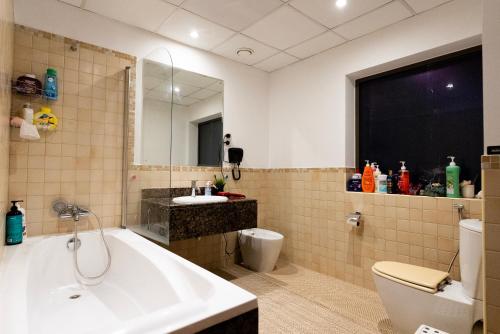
point(453, 179)
point(14, 226)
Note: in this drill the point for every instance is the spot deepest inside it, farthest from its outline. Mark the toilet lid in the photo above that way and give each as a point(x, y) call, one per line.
point(422, 278)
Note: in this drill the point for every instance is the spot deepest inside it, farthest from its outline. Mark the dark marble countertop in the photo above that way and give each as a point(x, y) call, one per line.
point(185, 221)
point(168, 202)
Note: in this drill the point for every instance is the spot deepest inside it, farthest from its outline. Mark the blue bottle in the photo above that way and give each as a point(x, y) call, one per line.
point(50, 89)
point(14, 226)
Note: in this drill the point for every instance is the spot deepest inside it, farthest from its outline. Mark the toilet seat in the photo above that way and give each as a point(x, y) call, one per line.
point(425, 279)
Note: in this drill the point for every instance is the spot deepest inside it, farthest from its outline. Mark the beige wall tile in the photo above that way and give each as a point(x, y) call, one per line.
point(59, 164)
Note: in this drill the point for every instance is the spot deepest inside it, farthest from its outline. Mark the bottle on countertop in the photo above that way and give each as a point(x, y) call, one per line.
point(376, 175)
point(382, 184)
point(208, 189)
point(453, 179)
point(404, 179)
point(14, 225)
point(20, 208)
point(354, 184)
point(367, 180)
point(389, 182)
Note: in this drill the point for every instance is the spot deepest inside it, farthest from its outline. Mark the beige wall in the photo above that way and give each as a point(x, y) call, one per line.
point(81, 160)
point(309, 206)
point(491, 190)
point(6, 54)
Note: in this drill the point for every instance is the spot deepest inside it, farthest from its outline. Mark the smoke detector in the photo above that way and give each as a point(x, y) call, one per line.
point(245, 52)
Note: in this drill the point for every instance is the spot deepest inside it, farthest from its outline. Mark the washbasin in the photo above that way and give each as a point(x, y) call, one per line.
point(199, 199)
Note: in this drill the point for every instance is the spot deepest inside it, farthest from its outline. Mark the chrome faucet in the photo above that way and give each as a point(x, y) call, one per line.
point(194, 188)
point(65, 210)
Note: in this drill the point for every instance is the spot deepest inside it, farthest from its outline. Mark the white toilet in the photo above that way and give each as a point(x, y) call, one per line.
point(260, 248)
point(414, 295)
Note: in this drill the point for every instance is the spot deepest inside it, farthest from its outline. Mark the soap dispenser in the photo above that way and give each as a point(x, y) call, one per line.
point(14, 226)
point(376, 175)
point(404, 179)
point(368, 181)
point(452, 179)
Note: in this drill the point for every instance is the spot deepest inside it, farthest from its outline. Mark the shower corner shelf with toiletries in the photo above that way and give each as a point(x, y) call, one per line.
point(373, 180)
point(30, 122)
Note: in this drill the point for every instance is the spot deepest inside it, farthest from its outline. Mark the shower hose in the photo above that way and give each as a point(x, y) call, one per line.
point(75, 254)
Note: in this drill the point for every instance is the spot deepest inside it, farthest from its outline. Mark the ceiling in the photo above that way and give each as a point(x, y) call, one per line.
point(189, 87)
point(279, 32)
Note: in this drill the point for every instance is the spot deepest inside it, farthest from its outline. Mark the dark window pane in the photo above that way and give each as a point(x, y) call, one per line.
point(423, 114)
point(210, 143)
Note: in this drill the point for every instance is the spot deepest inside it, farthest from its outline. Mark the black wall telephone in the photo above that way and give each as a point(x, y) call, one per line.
point(235, 155)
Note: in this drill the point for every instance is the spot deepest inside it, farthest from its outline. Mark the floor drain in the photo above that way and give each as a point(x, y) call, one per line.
point(74, 296)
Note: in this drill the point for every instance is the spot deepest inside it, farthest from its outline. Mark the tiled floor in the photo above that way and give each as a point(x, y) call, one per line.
point(293, 299)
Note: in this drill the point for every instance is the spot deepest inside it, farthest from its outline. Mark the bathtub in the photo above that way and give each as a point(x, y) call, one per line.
point(147, 289)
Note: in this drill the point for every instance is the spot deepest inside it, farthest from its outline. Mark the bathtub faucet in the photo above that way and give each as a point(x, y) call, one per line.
point(65, 210)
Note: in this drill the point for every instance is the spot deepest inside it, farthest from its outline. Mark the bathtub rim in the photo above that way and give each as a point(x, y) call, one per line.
point(229, 300)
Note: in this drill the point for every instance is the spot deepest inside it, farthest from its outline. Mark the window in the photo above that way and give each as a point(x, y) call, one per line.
point(210, 142)
point(422, 114)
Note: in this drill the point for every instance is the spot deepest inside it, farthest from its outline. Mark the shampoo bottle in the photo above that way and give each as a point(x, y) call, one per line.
point(354, 183)
point(389, 182)
point(376, 175)
point(382, 184)
point(51, 91)
point(404, 179)
point(367, 181)
point(453, 179)
point(14, 226)
point(20, 208)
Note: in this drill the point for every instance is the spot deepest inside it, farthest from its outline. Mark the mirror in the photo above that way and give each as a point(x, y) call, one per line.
point(196, 118)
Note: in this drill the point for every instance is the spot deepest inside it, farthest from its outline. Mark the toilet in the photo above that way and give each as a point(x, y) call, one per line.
point(260, 248)
point(414, 295)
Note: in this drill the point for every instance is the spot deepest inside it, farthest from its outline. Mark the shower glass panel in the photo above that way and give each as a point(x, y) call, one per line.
point(149, 176)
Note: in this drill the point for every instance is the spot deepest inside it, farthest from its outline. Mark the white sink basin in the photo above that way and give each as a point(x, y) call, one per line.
point(199, 199)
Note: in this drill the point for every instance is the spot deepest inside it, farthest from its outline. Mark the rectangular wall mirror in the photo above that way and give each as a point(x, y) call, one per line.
point(192, 106)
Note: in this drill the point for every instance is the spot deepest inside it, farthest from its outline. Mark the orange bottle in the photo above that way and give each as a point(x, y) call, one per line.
point(368, 181)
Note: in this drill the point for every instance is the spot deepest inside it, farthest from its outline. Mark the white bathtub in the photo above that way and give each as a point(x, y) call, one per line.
point(147, 289)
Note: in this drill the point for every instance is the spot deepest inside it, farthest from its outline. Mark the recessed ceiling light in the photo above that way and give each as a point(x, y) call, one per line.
point(194, 34)
point(245, 52)
point(177, 89)
point(450, 85)
point(341, 3)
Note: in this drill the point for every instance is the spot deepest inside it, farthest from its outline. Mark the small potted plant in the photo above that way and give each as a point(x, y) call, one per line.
point(219, 184)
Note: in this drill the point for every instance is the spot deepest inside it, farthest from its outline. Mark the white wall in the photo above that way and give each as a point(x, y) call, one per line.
point(245, 88)
point(491, 72)
point(302, 115)
point(156, 133)
point(311, 103)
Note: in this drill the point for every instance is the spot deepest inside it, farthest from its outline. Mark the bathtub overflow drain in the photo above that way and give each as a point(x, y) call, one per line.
point(74, 296)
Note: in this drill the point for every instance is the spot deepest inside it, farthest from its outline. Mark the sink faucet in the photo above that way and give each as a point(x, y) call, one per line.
point(194, 188)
